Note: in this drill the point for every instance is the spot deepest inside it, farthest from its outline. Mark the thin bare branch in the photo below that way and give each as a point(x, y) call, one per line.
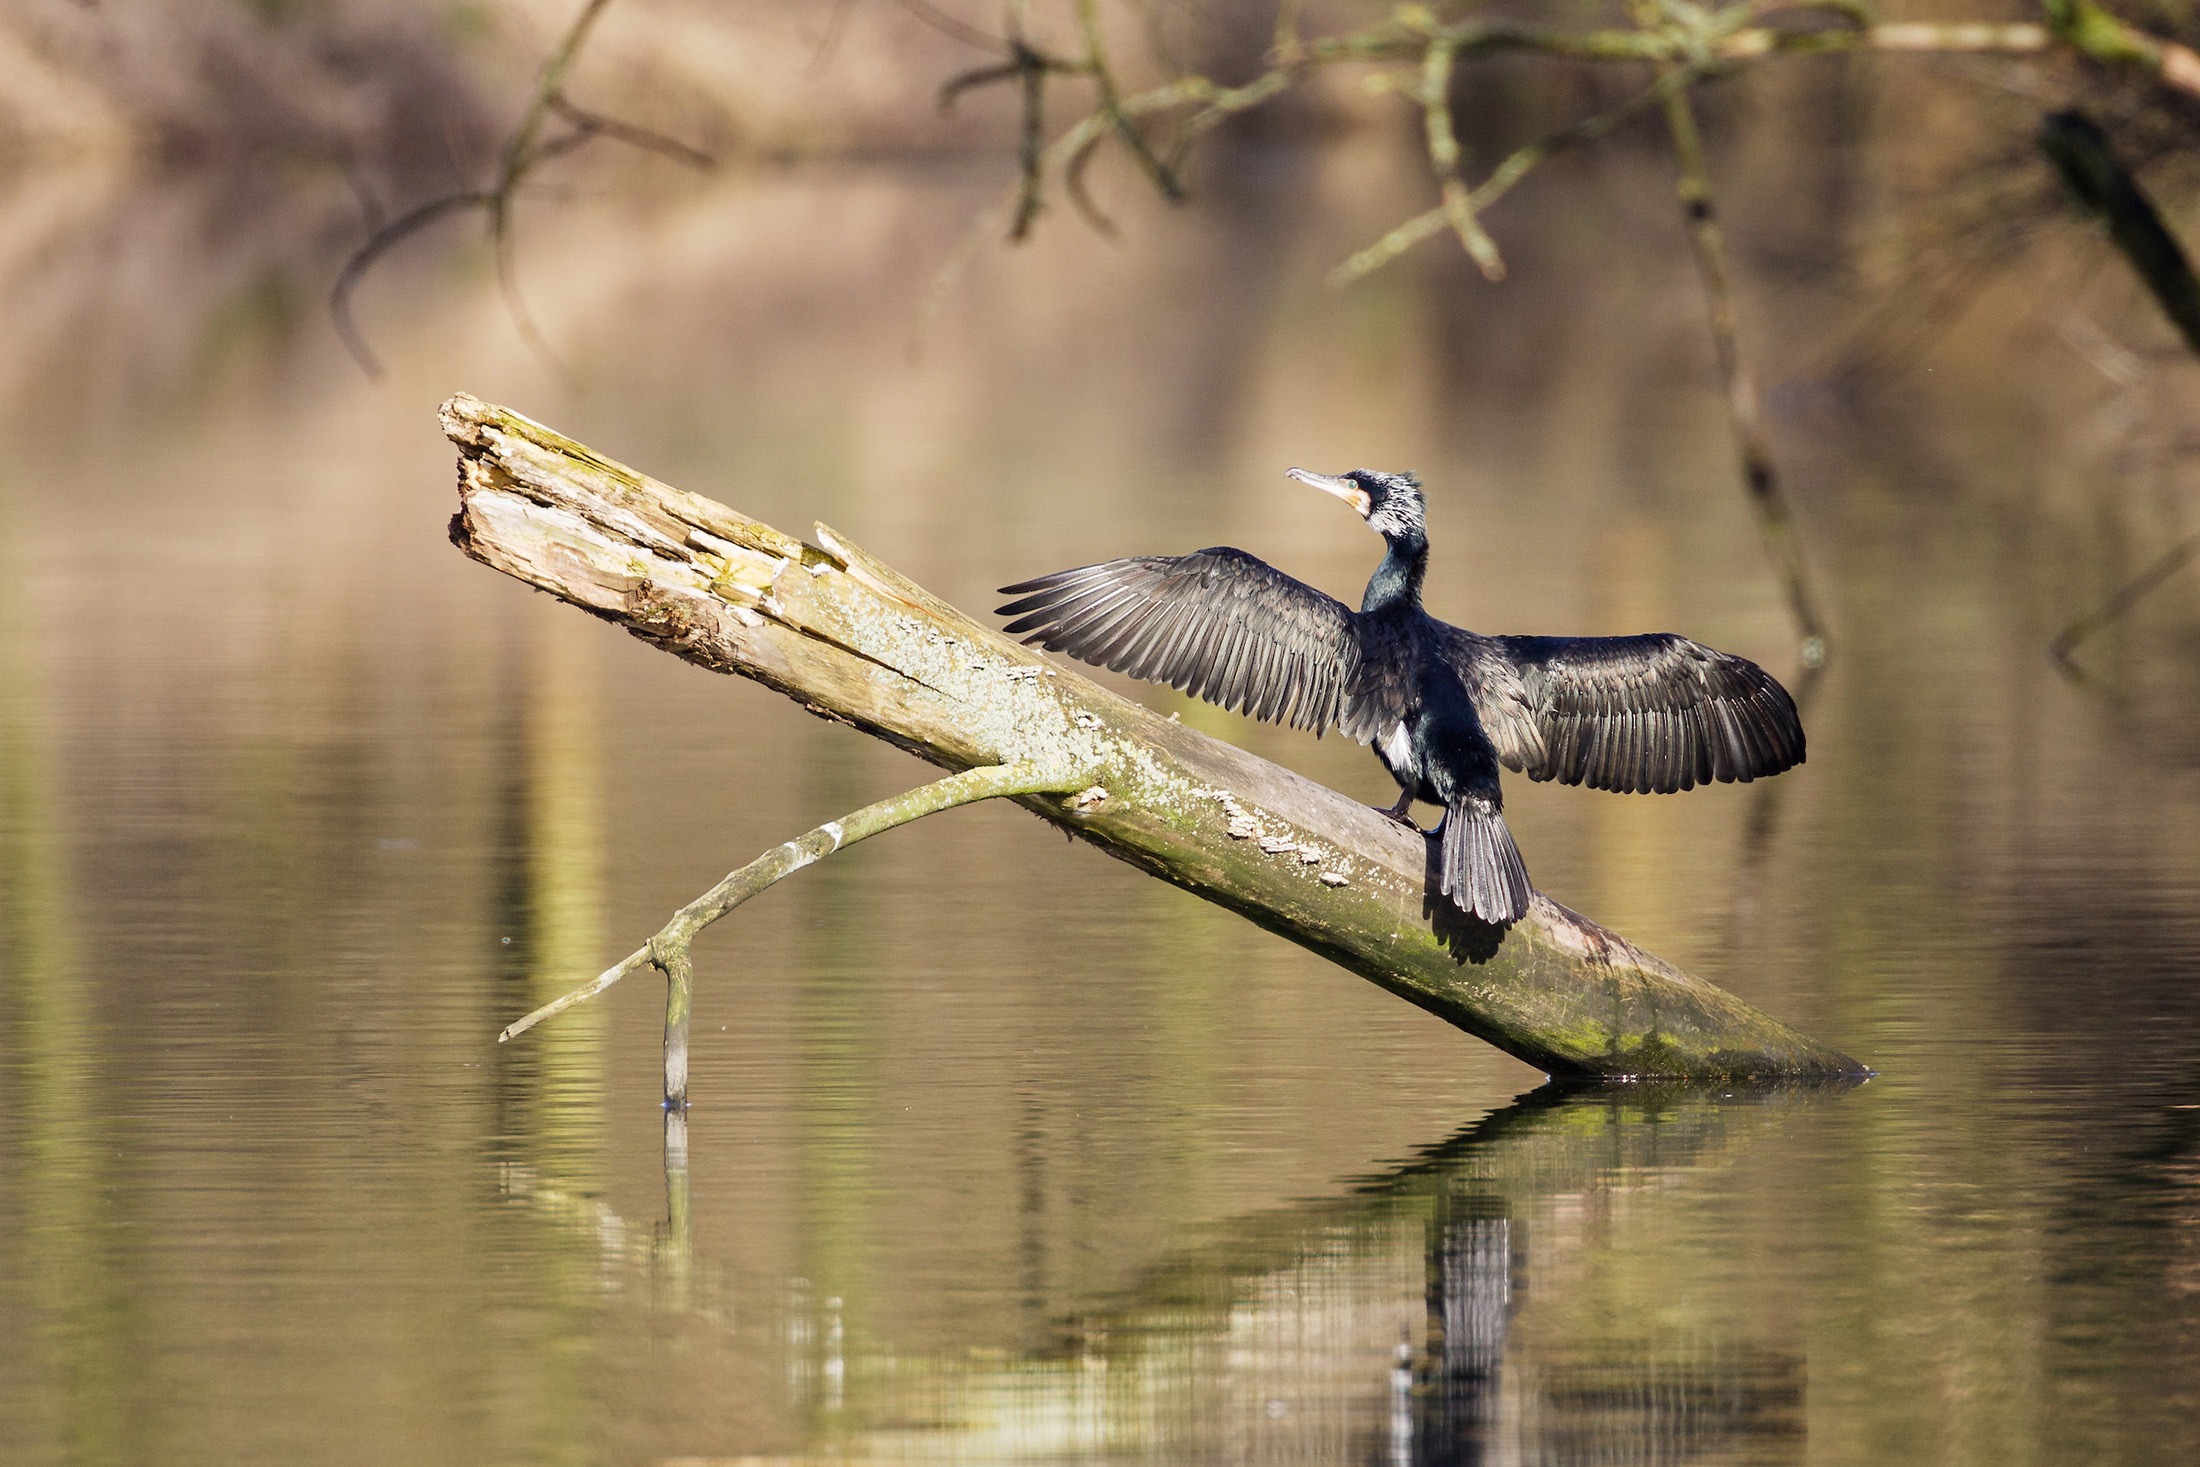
point(595, 124)
point(947, 25)
point(1760, 474)
point(1031, 145)
point(523, 320)
point(950, 272)
point(524, 151)
point(1073, 184)
point(952, 89)
point(2101, 184)
point(378, 244)
point(1443, 158)
point(1515, 167)
point(520, 145)
point(1157, 172)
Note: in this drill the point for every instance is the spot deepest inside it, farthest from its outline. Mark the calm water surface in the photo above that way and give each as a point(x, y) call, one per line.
point(1002, 1152)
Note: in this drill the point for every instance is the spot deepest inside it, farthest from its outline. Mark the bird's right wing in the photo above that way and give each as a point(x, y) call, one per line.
point(1218, 624)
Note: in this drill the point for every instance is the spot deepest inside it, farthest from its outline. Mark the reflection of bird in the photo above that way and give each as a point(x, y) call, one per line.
point(1443, 707)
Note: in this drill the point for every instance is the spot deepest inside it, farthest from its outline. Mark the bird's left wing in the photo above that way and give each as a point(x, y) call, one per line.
point(1218, 624)
point(1654, 713)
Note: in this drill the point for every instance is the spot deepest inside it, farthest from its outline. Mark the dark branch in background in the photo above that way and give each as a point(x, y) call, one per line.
point(1760, 475)
point(523, 152)
point(2080, 151)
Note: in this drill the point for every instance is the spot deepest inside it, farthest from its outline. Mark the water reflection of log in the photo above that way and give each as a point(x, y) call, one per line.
point(1655, 1402)
point(1275, 1333)
point(73, 1403)
point(549, 887)
point(1462, 1390)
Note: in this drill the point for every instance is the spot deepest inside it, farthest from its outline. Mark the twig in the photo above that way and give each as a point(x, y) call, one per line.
point(1029, 67)
point(515, 305)
point(1162, 176)
point(1443, 158)
point(947, 25)
point(587, 124)
point(1515, 167)
point(668, 949)
point(1775, 518)
point(2119, 605)
point(523, 152)
point(381, 242)
point(1031, 146)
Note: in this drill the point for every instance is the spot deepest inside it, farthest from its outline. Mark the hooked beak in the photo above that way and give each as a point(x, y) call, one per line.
point(1344, 489)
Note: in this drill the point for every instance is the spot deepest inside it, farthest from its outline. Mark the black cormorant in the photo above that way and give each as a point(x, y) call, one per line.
point(1443, 707)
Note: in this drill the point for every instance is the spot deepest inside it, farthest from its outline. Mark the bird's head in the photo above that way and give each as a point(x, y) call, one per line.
point(1390, 503)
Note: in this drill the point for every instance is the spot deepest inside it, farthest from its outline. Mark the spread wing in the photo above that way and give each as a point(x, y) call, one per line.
point(1218, 624)
point(1634, 714)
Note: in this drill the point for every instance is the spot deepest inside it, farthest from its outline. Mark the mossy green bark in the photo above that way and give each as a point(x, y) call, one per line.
point(854, 641)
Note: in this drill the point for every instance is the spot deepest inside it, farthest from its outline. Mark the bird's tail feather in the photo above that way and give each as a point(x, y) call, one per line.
point(1482, 871)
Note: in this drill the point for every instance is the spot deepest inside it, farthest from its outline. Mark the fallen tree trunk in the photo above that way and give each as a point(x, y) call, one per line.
point(855, 641)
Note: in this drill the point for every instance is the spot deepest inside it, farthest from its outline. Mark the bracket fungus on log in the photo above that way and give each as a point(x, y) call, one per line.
point(853, 640)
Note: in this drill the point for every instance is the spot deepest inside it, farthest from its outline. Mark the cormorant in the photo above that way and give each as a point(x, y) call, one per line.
point(1442, 706)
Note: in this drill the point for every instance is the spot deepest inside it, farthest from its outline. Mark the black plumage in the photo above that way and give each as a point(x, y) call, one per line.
point(1444, 707)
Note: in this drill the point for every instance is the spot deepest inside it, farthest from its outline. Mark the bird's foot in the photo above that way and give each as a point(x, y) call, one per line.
point(1402, 812)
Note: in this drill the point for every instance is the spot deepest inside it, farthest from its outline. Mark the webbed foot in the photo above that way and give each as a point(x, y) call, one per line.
point(1402, 812)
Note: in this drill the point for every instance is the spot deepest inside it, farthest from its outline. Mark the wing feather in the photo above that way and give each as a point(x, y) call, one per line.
point(1218, 624)
point(1644, 714)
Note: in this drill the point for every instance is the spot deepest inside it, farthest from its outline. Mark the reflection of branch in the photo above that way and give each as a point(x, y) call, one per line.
point(2119, 605)
point(524, 151)
point(1775, 519)
point(1770, 795)
point(2081, 154)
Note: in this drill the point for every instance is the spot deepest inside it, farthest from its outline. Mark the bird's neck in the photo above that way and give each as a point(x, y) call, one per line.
point(1397, 581)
